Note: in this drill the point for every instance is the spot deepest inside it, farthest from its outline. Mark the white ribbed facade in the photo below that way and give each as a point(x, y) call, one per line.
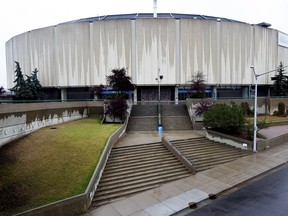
point(82, 54)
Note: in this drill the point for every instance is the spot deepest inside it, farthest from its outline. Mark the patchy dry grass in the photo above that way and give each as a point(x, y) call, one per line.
point(52, 163)
point(269, 119)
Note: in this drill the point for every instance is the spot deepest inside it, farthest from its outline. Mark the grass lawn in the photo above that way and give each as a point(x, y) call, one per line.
point(52, 163)
point(269, 119)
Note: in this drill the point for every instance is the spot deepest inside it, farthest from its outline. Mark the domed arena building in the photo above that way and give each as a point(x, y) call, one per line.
point(73, 56)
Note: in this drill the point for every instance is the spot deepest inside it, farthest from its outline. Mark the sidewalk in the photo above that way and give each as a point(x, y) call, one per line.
point(174, 196)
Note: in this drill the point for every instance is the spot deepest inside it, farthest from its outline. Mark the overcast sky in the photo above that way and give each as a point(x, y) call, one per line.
point(18, 16)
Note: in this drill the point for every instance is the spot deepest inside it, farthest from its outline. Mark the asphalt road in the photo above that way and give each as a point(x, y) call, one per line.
point(265, 197)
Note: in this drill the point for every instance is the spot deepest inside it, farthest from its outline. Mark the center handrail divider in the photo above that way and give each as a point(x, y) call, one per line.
point(188, 164)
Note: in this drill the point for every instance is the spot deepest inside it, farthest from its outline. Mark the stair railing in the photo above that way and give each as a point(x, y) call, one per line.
point(178, 154)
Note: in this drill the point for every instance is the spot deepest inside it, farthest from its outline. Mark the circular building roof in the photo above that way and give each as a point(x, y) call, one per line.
point(150, 15)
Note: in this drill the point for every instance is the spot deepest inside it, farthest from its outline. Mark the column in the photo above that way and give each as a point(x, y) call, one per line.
point(63, 94)
point(176, 94)
point(214, 94)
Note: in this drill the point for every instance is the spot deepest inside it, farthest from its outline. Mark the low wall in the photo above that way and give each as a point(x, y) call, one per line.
point(178, 155)
point(229, 140)
point(67, 207)
point(238, 142)
point(17, 120)
point(268, 143)
point(273, 104)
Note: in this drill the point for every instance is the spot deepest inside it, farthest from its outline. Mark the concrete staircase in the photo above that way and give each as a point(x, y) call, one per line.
point(206, 154)
point(132, 169)
point(175, 117)
point(143, 118)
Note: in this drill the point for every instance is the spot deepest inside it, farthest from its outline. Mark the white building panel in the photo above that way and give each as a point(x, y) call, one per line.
point(111, 48)
point(83, 53)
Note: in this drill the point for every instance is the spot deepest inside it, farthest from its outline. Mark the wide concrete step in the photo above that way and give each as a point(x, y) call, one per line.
point(138, 156)
point(191, 142)
point(144, 123)
point(140, 171)
point(190, 139)
point(124, 163)
point(214, 154)
point(133, 169)
point(205, 166)
point(133, 180)
point(177, 123)
point(144, 110)
point(211, 159)
point(141, 166)
point(205, 154)
point(203, 146)
point(210, 149)
point(134, 188)
point(174, 110)
point(139, 150)
point(104, 199)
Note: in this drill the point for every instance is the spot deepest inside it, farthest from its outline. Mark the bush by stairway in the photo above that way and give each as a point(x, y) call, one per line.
point(224, 117)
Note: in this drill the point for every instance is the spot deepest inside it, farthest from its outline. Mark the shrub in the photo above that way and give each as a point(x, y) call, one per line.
point(224, 117)
point(281, 109)
point(247, 111)
point(202, 107)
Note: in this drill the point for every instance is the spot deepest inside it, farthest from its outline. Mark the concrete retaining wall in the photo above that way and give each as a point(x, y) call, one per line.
point(238, 142)
point(229, 140)
point(268, 143)
point(17, 120)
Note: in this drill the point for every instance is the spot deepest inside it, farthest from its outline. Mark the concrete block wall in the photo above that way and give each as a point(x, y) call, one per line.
point(17, 120)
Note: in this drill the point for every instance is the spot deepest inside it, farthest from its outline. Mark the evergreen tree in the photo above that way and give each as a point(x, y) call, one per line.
point(34, 86)
point(19, 89)
point(280, 82)
point(2, 90)
point(29, 89)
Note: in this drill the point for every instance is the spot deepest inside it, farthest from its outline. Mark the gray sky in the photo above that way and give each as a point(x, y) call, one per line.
point(18, 16)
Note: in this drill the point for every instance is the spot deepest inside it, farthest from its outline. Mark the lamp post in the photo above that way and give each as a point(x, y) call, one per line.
point(159, 79)
point(159, 92)
point(255, 105)
point(255, 112)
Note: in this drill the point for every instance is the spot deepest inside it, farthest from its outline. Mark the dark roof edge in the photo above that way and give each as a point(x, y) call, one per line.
point(134, 16)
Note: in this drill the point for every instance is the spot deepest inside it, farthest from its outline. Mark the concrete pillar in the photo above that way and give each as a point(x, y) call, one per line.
point(218, 51)
point(269, 92)
point(178, 53)
point(176, 94)
point(135, 96)
point(91, 42)
point(214, 92)
point(245, 92)
point(63, 94)
point(133, 52)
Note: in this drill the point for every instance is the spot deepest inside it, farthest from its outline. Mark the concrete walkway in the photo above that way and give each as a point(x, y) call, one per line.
point(172, 197)
point(274, 131)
